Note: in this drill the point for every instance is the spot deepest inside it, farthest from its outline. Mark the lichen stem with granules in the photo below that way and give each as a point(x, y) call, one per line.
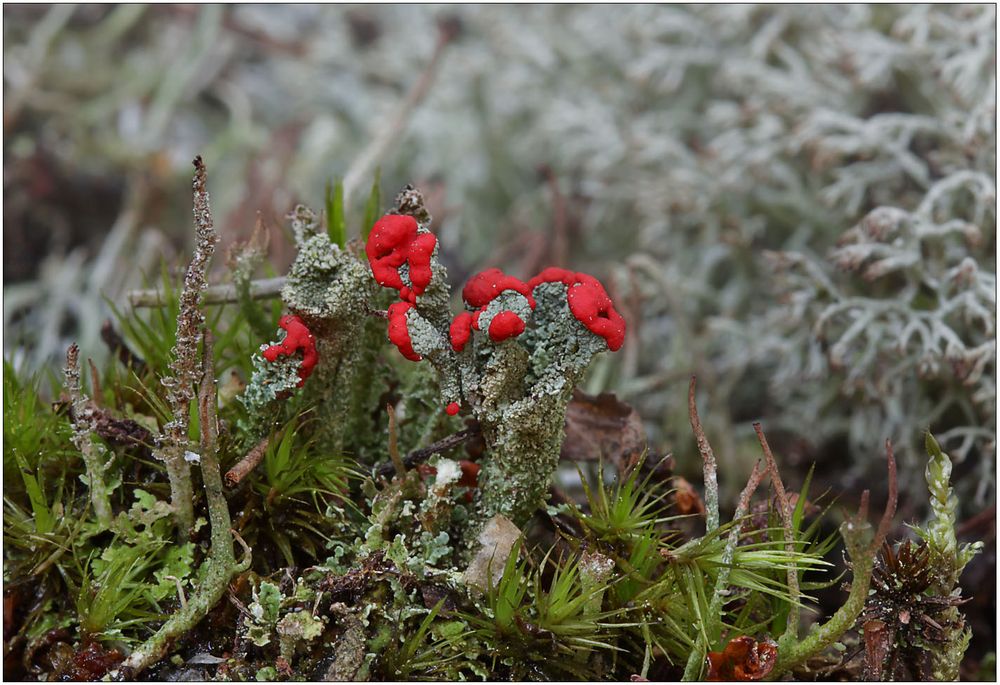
point(173, 441)
point(83, 438)
point(861, 546)
point(221, 565)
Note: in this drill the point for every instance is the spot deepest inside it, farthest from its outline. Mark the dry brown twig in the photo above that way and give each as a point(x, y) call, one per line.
point(784, 511)
point(892, 498)
point(708, 463)
point(244, 466)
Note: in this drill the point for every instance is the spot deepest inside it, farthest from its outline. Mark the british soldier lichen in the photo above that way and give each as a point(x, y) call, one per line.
point(512, 359)
point(329, 292)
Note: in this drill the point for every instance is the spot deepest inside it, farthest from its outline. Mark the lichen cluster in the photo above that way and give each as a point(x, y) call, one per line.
point(373, 547)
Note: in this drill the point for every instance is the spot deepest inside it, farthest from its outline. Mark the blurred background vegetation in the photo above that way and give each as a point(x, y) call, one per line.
point(795, 203)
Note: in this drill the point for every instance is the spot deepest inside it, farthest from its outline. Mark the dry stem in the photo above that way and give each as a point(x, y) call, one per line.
point(708, 461)
point(389, 133)
point(247, 464)
point(792, 623)
point(217, 294)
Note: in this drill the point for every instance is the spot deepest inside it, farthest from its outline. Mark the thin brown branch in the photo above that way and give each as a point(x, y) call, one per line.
point(424, 453)
point(560, 239)
point(753, 482)
point(981, 520)
point(708, 462)
point(95, 384)
point(784, 511)
point(247, 464)
point(892, 498)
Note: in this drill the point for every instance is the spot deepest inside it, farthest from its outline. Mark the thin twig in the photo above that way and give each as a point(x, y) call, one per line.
point(261, 289)
point(247, 464)
point(980, 520)
point(708, 462)
point(892, 498)
point(424, 453)
point(388, 134)
point(792, 622)
point(95, 384)
point(560, 239)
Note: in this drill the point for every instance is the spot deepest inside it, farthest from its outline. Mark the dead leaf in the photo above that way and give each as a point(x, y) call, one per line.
point(686, 498)
point(495, 543)
point(603, 427)
point(743, 659)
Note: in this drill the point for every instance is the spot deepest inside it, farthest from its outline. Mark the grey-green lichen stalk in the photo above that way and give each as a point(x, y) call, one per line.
point(172, 443)
point(328, 290)
point(83, 431)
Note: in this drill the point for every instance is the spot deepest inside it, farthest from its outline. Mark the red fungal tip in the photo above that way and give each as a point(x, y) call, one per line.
point(460, 331)
point(452, 409)
point(297, 339)
point(394, 241)
point(399, 334)
point(554, 274)
point(483, 288)
point(590, 304)
point(505, 325)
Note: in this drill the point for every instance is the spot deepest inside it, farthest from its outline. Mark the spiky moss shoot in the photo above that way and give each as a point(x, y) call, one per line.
point(947, 559)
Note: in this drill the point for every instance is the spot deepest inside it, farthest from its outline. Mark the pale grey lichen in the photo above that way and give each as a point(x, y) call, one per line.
point(270, 381)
